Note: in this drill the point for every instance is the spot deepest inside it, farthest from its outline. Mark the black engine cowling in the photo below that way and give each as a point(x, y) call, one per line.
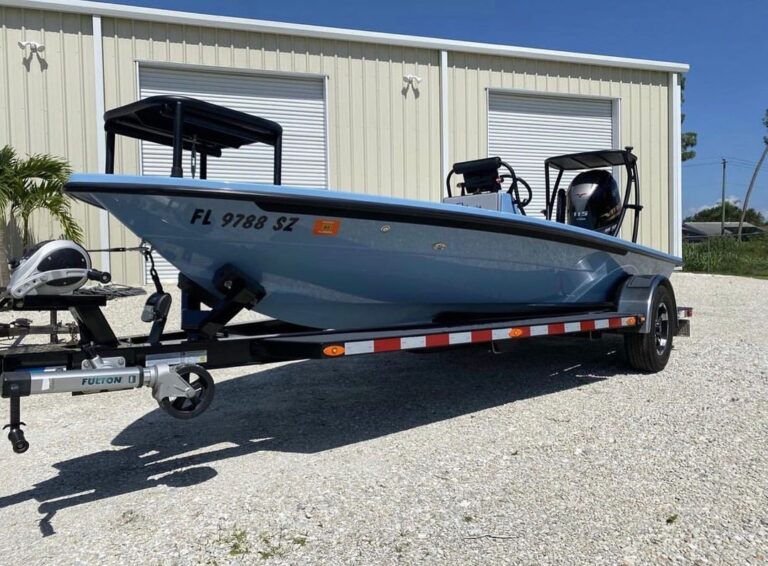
point(594, 201)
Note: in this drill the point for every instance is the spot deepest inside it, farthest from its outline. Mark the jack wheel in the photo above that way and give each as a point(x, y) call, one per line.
point(189, 408)
point(650, 352)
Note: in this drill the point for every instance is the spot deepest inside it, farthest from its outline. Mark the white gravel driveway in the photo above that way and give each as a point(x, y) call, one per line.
point(554, 453)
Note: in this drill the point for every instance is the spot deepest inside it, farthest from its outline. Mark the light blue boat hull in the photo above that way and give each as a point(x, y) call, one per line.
point(391, 262)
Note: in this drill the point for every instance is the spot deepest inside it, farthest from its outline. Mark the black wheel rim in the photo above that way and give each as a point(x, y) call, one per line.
point(183, 407)
point(189, 404)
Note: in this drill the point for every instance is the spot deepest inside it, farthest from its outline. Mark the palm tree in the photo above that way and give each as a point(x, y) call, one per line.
point(754, 176)
point(27, 185)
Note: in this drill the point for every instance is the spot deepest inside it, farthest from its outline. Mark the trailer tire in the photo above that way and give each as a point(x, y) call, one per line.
point(650, 352)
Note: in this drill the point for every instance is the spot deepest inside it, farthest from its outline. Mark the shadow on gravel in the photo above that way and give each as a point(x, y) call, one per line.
point(311, 406)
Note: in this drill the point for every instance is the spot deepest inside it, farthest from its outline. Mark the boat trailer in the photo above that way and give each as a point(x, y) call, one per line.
point(175, 365)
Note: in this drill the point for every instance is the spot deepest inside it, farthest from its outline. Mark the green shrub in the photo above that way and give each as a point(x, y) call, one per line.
point(727, 255)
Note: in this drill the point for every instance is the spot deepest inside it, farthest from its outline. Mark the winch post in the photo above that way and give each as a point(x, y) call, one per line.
point(93, 326)
point(54, 319)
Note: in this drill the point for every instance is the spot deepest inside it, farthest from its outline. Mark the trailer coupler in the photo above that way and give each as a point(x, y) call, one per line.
point(184, 391)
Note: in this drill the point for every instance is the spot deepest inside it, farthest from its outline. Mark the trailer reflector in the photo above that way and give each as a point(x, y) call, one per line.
point(412, 342)
point(557, 328)
point(437, 340)
point(482, 335)
point(387, 345)
point(333, 351)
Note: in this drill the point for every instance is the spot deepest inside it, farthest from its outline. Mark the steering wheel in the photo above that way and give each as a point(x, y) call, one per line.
point(514, 189)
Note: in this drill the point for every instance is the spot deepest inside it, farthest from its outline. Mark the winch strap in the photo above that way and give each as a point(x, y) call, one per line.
point(152, 271)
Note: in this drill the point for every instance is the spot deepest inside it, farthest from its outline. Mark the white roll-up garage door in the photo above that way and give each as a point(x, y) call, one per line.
point(296, 103)
point(524, 130)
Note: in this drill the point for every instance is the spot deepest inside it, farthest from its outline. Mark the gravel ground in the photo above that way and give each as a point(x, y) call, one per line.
point(553, 453)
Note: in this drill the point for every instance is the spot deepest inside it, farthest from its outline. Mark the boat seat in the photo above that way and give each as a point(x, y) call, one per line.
point(480, 175)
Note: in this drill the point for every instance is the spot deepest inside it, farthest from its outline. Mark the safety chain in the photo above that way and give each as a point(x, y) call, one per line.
point(147, 253)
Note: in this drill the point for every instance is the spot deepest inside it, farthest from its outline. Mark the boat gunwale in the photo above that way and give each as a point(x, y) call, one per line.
point(329, 204)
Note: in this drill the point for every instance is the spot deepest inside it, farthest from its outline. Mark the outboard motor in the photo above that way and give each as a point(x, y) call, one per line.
point(594, 201)
point(53, 267)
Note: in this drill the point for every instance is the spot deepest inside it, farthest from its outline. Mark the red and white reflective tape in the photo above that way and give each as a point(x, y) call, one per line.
point(684, 312)
point(481, 336)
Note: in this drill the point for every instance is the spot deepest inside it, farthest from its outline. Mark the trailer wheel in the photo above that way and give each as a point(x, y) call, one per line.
point(650, 352)
point(189, 408)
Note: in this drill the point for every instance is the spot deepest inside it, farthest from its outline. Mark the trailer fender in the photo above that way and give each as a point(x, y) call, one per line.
point(636, 296)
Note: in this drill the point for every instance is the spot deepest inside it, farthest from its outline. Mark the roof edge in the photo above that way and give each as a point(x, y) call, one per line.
point(320, 32)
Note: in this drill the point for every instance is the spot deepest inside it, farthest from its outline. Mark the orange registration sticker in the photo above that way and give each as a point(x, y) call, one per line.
point(326, 227)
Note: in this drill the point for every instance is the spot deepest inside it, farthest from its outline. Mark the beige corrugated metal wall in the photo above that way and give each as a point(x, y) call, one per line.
point(47, 104)
point(644, 121)
point(383, 139)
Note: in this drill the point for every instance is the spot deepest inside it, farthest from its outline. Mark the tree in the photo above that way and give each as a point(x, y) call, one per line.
point(688, 140)
point(754, 174)
point(27, 185)
point(732, 214)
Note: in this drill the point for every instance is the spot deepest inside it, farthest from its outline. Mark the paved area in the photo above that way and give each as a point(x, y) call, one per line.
point(554, 453)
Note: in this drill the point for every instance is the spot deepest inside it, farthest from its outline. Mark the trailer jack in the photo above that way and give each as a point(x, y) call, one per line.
point(184, 391)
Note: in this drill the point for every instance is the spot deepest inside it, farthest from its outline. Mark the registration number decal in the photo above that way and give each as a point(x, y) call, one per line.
point(205, 217)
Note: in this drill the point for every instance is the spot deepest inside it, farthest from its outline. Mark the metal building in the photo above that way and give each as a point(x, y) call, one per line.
point(369, 112)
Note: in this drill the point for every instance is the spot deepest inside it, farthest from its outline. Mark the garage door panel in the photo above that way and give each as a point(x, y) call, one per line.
point(297, 104)
point(525, 130)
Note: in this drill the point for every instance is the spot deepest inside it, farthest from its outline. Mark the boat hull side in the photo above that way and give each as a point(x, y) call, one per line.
point(348, 272)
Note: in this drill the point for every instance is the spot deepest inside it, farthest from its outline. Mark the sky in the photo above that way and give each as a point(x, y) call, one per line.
point(724, 42)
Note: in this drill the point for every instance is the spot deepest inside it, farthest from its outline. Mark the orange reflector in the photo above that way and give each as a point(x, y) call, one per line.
point(631, 321)
point(516, 333)
point(326, 227)
point(334, 350)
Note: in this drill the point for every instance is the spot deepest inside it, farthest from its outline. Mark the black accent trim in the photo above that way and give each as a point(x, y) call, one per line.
point(328, 206)
point(189, 124)
point(17, 383)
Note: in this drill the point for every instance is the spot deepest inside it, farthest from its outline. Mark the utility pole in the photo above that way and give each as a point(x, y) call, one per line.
point(722, 202)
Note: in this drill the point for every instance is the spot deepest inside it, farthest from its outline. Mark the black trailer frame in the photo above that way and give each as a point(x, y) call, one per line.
point(102, 362)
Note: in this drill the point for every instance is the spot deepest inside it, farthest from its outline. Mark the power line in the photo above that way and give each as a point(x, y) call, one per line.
point(731, 187)
point(742, 160)
point(710, 162)
point(705, 164)
point(743, 165)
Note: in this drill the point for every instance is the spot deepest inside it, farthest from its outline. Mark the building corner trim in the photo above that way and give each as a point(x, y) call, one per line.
point(675, 167)
point(444, 126)
point(101, 149)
